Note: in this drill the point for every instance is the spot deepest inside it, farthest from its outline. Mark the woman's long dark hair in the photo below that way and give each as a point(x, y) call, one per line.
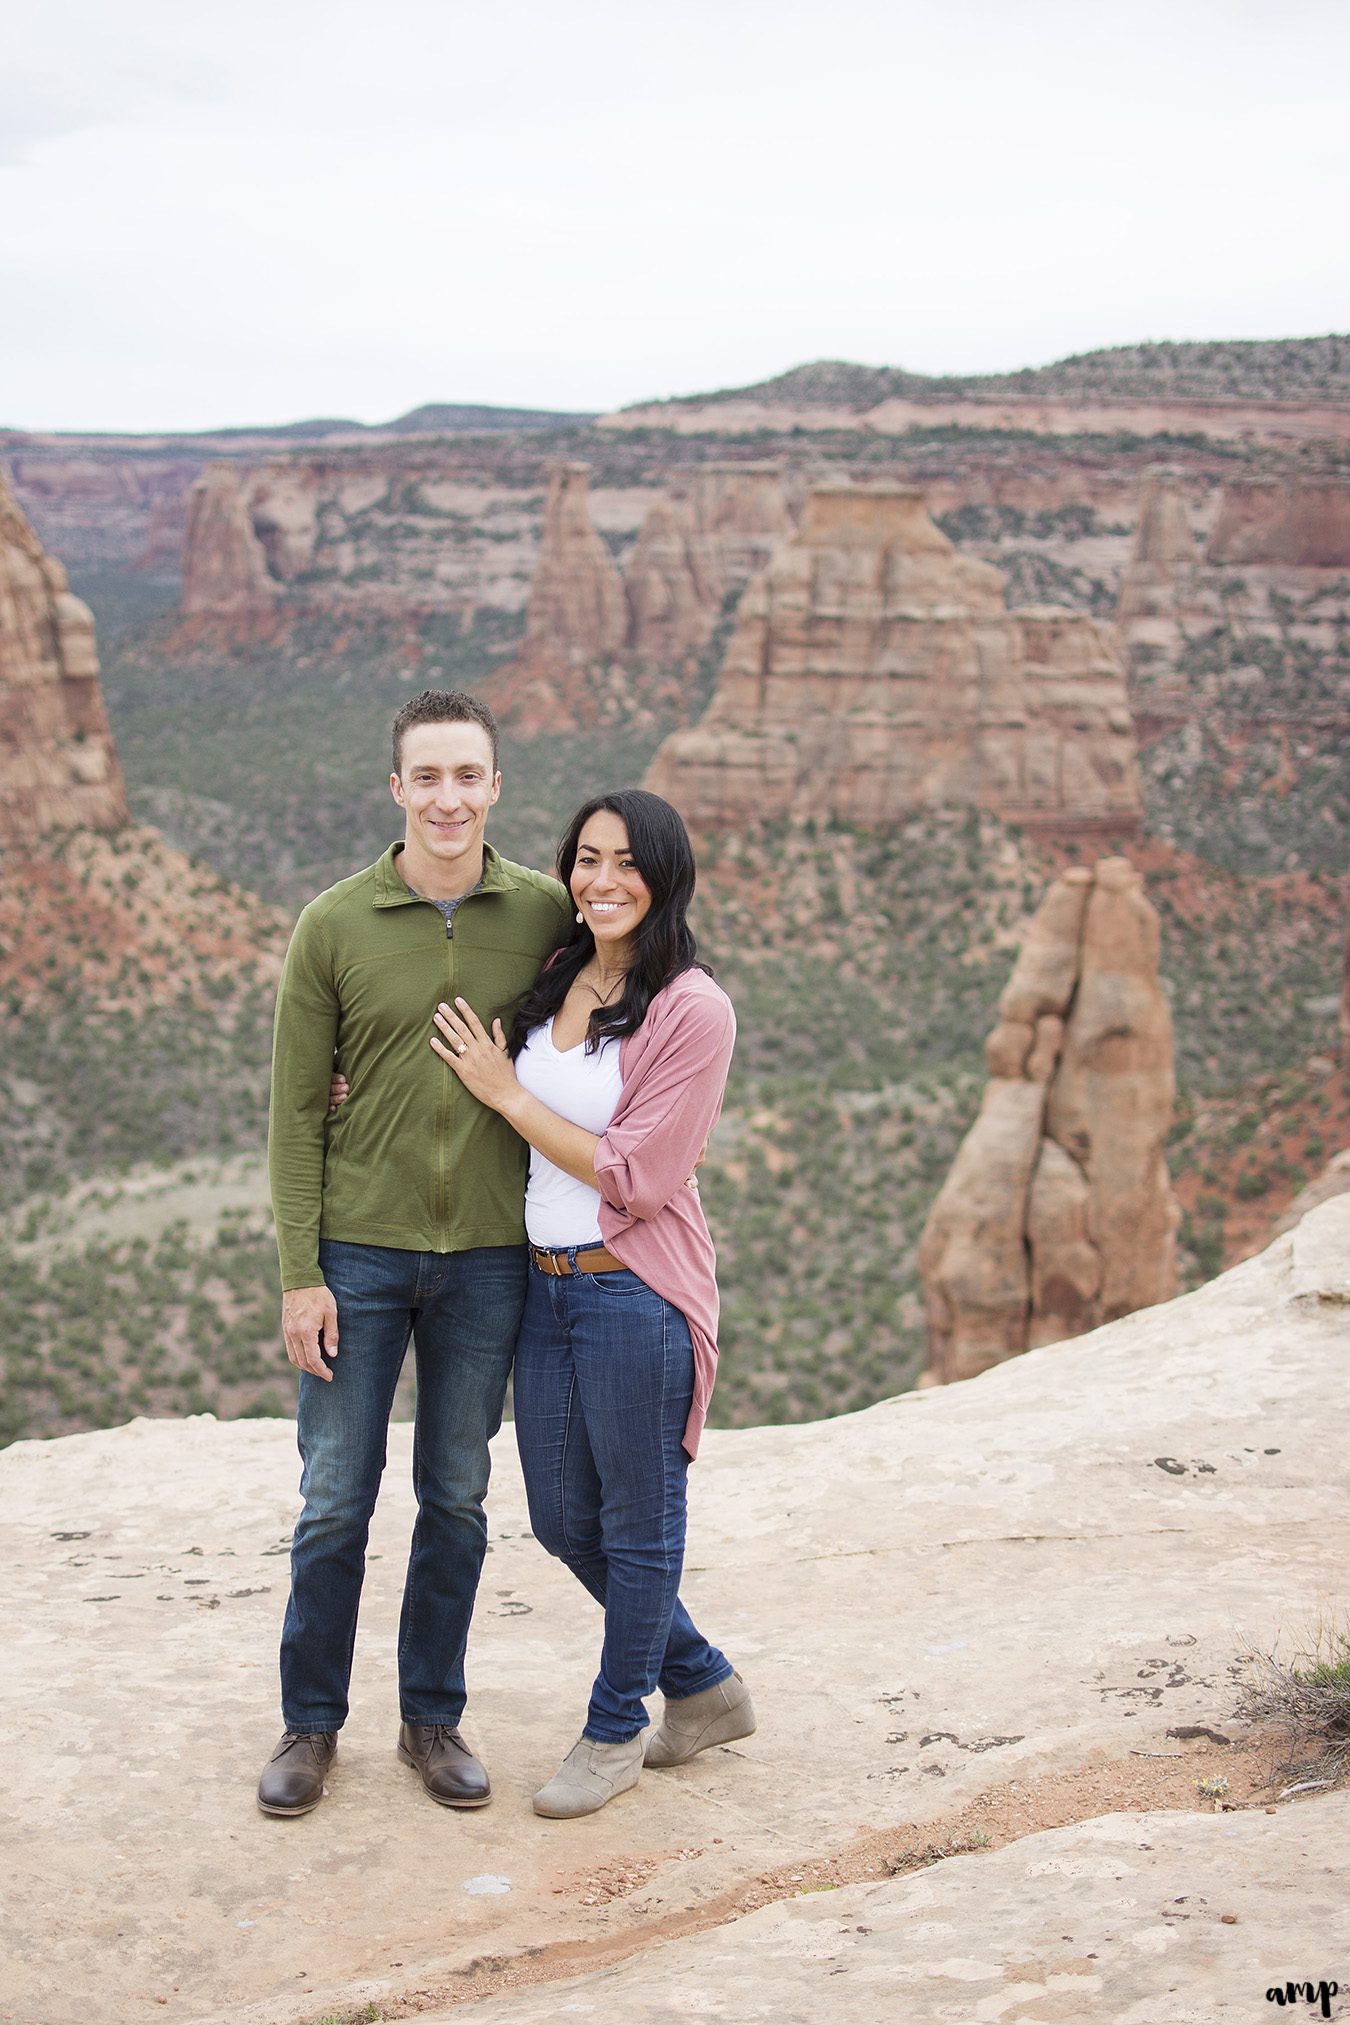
point(659, 846)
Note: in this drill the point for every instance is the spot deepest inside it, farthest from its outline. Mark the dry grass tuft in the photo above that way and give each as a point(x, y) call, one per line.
point(1307, 1696)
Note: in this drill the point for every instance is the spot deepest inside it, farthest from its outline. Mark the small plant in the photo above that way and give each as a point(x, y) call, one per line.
point(1308, 1697)
point(937, 1852)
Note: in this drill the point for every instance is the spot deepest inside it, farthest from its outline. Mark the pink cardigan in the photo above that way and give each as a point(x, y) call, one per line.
point(674, 1072)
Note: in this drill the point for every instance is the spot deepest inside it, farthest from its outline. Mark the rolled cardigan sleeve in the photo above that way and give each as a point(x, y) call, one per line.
point(650, 1149)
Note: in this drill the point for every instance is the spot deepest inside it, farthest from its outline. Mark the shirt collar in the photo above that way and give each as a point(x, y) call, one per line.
point(390, 890)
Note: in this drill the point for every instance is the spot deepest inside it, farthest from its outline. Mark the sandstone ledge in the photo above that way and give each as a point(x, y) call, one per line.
point(1140, 1919)
point(930, 1598)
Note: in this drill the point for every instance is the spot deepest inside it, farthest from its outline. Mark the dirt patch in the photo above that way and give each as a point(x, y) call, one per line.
point(1186, 1772)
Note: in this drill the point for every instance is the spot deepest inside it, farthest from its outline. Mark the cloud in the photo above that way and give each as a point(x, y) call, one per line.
point(69, 68)
point(355, 206)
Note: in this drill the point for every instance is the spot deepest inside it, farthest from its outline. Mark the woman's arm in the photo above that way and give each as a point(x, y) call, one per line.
point(486, 1070)
point(660, 1131)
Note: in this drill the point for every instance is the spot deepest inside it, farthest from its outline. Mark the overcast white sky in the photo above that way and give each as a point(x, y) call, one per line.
point(239, 211)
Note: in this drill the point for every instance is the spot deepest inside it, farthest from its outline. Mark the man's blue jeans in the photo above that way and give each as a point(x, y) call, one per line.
point(462, 1311)
point(604, 1378)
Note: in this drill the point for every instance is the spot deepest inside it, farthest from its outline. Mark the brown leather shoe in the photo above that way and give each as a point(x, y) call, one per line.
point(450, 1772)
point(292, 1778)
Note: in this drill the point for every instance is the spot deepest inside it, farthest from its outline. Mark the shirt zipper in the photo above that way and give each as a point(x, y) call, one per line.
point(447, 1110)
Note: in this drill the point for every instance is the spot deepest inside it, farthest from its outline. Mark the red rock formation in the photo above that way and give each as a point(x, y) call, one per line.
point(576, 614)
point(225, 571)
point(673, 601)
point(58, 764)
point(1163, 541)
point(1057, 1214)
point(1299, 522)
point(283, 510)
point(695, 548)
point(567, 671)
point(874, 671)
point(1163, 595)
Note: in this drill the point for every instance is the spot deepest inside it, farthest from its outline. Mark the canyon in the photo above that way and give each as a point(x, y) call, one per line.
point(947, 666)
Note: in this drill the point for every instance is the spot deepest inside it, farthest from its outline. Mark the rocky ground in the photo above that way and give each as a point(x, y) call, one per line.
point(995, 1636)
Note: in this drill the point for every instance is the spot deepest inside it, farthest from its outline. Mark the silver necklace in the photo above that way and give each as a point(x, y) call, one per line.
point(603, 998)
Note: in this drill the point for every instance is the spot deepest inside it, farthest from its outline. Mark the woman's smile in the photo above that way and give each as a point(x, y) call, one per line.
point(606, 884)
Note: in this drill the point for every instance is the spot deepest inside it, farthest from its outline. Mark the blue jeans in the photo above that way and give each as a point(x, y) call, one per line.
point(604, 1377)
point(462, 1311)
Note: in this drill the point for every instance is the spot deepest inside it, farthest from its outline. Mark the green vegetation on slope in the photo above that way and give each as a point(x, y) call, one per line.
point(274, 767)
point(865, 972)
point(1277, 369)
point(1259, 780)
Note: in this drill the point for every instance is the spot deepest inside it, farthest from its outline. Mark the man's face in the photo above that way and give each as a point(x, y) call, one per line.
point(445, 789)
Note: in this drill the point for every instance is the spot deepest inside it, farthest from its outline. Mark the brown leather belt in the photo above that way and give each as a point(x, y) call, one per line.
point(590, 1259)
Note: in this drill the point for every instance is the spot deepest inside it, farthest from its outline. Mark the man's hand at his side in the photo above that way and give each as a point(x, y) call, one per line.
point(308, 1313)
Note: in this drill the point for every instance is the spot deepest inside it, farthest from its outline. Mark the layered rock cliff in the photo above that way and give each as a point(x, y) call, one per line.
point(1057, 1214)
point(696, 547)
point(225, 572)
point(1303, 522)
point(58, 764)
point(1239, 669)
point(874, 672)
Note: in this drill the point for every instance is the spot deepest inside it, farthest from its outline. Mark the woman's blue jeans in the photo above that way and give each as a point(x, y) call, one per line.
point(604, 1378)
point(462, 1311)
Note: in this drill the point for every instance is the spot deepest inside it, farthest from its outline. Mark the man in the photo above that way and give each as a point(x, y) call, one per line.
point(399, 1217)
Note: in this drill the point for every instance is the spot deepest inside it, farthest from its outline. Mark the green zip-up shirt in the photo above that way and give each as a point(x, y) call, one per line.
point(411, 1159)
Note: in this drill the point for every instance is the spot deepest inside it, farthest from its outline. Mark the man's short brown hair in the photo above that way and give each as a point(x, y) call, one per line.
point(442, 706)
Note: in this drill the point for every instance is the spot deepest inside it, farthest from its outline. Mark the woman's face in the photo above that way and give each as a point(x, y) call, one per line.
point(607, 886)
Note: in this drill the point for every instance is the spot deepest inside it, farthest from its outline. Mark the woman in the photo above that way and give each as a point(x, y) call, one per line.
point(614, 1074)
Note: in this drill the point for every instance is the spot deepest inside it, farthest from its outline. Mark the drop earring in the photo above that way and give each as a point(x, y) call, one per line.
point(580, 916)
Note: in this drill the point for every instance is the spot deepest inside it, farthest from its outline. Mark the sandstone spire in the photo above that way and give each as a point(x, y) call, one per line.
point(1057, 1214)
point(576, 620)
point(576, 615)
point(1164, 550)
point(1163, 536)
point(1162, 594)
point(874, 671)
point(58, 764)
point(225, 571)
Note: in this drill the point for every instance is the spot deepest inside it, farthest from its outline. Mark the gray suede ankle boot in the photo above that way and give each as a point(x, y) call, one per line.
point(589, 1776)
point(719, 1715)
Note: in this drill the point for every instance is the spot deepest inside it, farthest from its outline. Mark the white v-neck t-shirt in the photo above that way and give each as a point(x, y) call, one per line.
point(584, 1089)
